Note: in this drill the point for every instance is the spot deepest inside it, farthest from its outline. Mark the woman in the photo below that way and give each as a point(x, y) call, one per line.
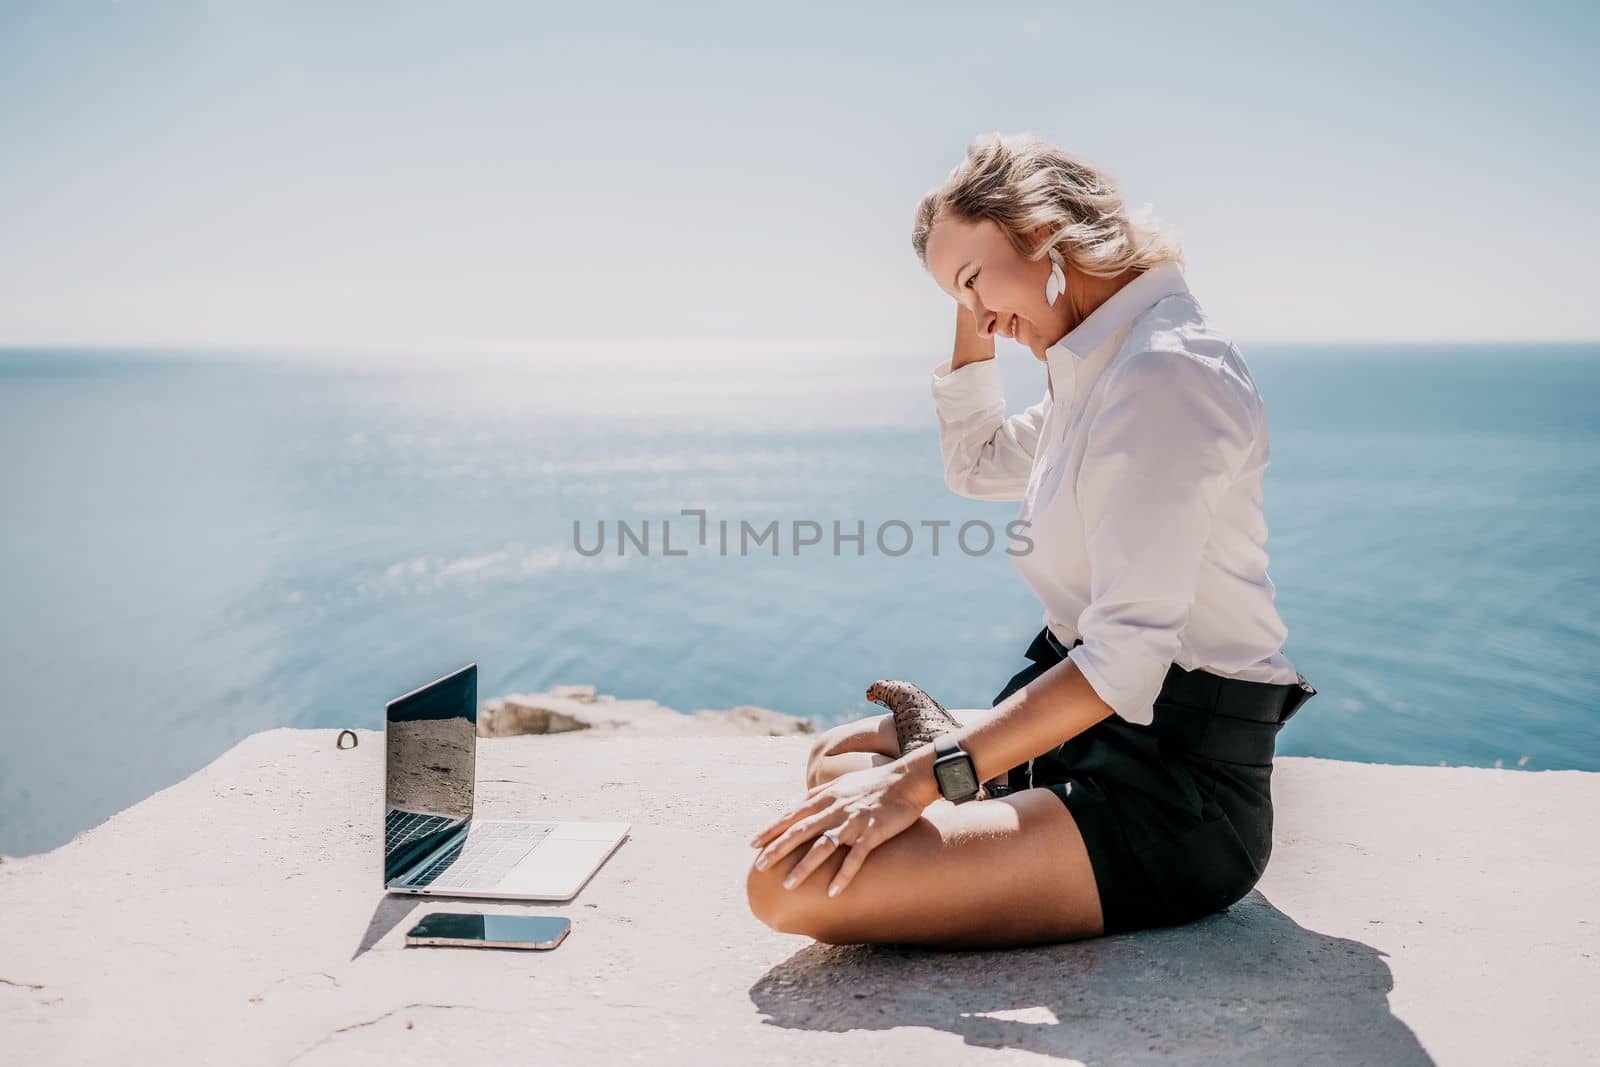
point(1132, 757)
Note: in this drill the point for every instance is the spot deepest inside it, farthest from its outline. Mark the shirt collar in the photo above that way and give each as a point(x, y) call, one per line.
point(1120, 309)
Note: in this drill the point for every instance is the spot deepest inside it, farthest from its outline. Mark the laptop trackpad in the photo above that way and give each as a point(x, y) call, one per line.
point(556, 868)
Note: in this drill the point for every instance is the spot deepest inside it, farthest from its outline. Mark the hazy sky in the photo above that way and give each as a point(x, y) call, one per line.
point(493, 176)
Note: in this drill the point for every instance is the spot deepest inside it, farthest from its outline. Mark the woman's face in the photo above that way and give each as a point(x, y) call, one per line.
point(979, 267)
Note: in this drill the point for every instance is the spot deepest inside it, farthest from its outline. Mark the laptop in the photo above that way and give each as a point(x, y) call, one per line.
point(431, 842)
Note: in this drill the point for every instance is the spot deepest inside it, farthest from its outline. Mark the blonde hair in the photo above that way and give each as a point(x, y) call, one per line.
point(1024, 184)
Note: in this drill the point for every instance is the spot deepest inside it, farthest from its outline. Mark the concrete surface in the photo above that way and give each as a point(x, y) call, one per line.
point(1409, 915)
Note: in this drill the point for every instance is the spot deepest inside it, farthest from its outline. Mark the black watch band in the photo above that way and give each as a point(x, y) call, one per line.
point(953, 770)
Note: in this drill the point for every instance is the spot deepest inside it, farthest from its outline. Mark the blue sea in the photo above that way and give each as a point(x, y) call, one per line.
point(200, 545)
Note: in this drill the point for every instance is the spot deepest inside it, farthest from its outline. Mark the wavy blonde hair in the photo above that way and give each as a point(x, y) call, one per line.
point(1025, 184)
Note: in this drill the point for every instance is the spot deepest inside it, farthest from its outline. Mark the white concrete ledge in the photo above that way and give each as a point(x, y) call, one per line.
point(1409, 915)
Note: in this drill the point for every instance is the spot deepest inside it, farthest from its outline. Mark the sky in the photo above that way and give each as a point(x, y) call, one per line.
point(505, 177)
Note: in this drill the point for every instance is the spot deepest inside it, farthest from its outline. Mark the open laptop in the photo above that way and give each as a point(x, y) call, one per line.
point(432, 844)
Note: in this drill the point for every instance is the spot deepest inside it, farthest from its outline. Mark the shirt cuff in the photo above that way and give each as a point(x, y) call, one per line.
point(967, 389)
point(1129, 691)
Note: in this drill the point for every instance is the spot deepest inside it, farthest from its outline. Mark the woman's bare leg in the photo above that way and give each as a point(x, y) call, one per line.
point(850, 746)
point(935, 882)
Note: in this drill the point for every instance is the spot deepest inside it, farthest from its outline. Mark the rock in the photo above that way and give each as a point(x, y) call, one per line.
point(577, 692)
point(563, 708)
point(749, 719)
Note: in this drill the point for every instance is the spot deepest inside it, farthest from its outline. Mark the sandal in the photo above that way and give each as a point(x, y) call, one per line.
point(918, 718)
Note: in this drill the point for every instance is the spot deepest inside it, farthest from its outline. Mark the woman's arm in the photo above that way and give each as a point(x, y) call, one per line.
point(1170, 436)
point(1054, 707)
point(986, 455)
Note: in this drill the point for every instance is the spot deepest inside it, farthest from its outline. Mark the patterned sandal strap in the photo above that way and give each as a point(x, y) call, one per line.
point(918, 717)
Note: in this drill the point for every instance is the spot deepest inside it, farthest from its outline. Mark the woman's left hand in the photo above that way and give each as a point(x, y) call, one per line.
point(865, 807)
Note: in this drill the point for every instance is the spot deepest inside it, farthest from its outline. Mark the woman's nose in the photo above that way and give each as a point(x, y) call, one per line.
point(986, 319)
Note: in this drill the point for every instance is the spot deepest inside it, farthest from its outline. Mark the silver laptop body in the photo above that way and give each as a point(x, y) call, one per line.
point(433, 845)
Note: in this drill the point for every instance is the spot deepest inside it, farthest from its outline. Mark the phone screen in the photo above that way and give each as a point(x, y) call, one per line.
point(533, 931)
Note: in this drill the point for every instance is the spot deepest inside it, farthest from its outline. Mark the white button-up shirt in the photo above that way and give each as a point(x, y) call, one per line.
point(1140, 477)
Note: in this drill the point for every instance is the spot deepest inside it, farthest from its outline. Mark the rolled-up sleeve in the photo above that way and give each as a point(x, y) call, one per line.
point(1171, 435)
point(986, 455)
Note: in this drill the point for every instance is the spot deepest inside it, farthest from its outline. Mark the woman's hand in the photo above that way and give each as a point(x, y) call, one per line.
point(865, 807)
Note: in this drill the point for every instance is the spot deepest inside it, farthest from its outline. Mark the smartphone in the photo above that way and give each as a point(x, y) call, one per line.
point(490, 931)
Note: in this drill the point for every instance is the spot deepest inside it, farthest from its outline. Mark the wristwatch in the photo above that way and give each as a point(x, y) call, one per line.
point(953, 770)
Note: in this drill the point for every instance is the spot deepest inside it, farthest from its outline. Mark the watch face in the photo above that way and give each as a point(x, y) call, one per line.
point(956, 778)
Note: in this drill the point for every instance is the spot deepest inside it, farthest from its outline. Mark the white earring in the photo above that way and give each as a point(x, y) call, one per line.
point(1056, 285)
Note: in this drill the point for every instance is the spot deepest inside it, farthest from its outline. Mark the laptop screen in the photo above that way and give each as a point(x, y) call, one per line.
point(431, 738)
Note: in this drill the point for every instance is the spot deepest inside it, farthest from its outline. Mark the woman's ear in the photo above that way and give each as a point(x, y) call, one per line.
point(1034, 239)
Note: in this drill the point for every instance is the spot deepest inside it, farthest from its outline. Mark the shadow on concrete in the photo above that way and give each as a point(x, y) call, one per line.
point(1248, 985)
point(389, 913)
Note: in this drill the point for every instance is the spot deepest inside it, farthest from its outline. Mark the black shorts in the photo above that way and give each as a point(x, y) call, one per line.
point(1177, 815)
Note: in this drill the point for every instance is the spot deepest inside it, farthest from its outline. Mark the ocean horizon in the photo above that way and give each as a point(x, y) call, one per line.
point(203, 544)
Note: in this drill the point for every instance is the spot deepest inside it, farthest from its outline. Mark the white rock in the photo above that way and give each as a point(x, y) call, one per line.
point(563, 708)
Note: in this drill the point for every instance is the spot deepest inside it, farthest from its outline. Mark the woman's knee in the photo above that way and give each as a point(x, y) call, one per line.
point(788, 911)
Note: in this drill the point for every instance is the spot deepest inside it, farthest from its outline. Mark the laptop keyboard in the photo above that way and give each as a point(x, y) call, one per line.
point(403, 827)
point(486, 855)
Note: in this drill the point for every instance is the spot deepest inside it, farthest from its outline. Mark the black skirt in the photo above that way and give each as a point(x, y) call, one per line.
point(1177, 815)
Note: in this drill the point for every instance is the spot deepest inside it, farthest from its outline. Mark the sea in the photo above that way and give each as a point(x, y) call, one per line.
point(198, 545)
